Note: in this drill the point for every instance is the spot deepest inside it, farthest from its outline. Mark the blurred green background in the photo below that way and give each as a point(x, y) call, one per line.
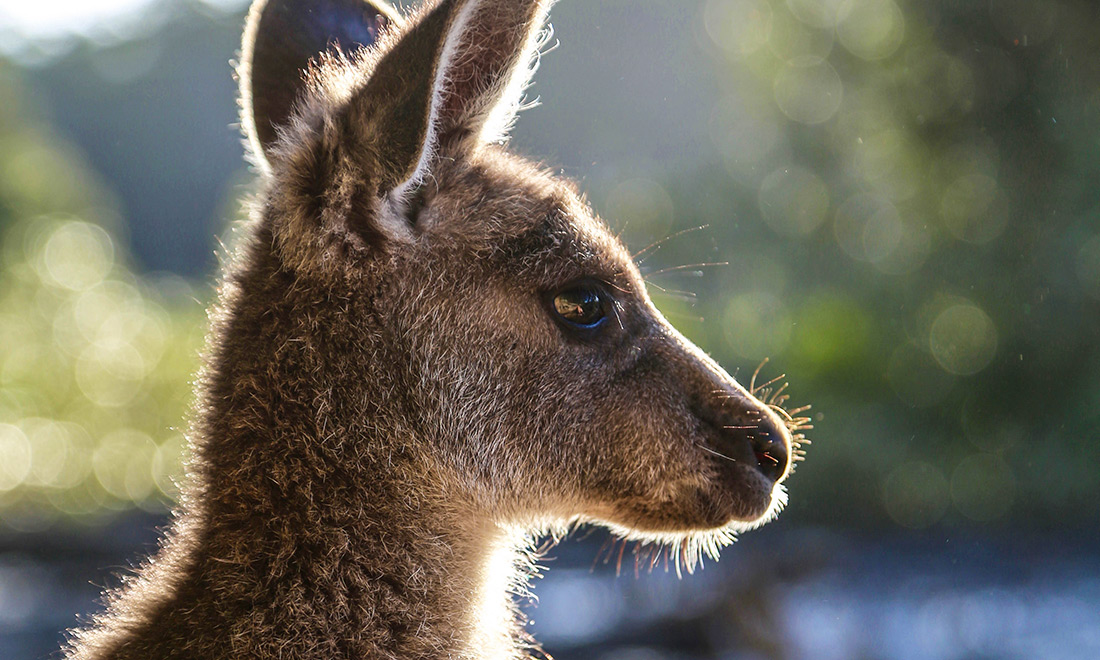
point(907, 195)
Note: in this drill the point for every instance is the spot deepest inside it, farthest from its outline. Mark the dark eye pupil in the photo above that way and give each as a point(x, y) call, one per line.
point(580, 306)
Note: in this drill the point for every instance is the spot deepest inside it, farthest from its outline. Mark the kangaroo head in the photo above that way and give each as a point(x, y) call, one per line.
point(520, 347)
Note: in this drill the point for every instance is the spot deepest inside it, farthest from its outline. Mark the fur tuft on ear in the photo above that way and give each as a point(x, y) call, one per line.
point(281, 39)
point(499, 122)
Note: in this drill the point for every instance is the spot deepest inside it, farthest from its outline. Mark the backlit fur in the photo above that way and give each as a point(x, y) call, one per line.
point(389, 413)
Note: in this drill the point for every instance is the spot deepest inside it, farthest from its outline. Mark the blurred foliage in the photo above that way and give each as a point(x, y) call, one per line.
point(905, 193)
point(925, 264)
point(95, 359)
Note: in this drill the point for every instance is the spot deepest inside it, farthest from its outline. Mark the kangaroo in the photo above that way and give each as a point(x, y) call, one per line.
point(425, 353)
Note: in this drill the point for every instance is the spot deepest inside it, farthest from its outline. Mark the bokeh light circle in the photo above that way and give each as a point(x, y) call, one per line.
point(758, 325)
point(59, 452)
point(793, 38)
point(910, 254)
point(111, 376)
point(868, 227)
point(870, 29)
point(739, 27)
point(167, 464)
point(744, 138)
point(940, 84)
point(123, 464)
point(77, 255)
point(963, 339)
point(793, 201)
point(819, 14)
point(885, 160)
point(808, 90)
point(15, 457)
point(974, 209)
point(643, 203)
point(916, 495)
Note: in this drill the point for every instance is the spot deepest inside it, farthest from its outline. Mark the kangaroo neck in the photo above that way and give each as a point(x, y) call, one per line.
point(327, 526)
point(404, 579)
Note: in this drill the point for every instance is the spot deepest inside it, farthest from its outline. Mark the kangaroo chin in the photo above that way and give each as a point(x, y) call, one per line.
point(425, 352)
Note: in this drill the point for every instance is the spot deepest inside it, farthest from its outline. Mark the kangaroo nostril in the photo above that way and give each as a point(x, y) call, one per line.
point(771, 444)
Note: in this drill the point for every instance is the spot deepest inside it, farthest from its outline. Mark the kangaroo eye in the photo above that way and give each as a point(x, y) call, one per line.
point(581, 306)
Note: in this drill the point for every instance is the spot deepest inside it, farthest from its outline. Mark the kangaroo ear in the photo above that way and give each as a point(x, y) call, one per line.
point(455, 77)
point(368, 130)
point(281, 38)
point(489, 59)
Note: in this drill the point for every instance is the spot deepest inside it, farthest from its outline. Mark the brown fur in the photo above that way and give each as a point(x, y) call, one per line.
point(389, 411)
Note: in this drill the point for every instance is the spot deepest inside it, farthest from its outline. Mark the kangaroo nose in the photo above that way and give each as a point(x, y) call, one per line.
point(744, 430)
point(771, 444)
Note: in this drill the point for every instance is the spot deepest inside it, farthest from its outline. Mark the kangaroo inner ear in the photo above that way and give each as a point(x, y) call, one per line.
point(457, 73)
point(490, 58)
point(281, 38)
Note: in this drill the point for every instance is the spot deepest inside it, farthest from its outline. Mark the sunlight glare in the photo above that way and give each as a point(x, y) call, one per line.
point(59, 19)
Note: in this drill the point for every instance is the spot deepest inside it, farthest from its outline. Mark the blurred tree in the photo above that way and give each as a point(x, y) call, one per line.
point(928, 256)
point(905, 191)
point(95, 360)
